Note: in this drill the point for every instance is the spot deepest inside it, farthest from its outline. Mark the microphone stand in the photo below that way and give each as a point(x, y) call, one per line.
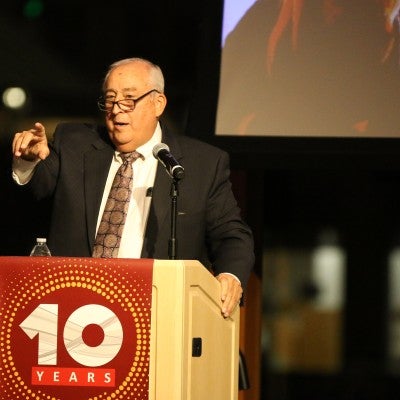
point(172, 245)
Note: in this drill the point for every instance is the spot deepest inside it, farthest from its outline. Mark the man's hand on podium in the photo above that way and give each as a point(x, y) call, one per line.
point(231, 292)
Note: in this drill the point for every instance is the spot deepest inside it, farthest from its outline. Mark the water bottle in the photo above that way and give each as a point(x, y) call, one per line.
point(40, 248)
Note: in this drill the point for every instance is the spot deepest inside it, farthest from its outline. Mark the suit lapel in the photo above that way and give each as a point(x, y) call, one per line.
point(97, 162)
point(160, 208)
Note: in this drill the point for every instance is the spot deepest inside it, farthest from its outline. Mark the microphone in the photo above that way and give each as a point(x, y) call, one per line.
point(174, 169)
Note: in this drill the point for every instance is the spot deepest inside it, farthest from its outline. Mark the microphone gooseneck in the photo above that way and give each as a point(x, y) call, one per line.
point(161, 153)
point(176, 172)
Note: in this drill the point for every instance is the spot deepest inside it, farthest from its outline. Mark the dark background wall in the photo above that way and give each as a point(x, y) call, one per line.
point(301, 184)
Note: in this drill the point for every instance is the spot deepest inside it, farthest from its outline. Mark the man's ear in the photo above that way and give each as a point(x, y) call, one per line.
point(160, 103)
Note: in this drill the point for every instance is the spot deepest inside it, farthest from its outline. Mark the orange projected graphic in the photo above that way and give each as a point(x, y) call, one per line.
point(312, 68)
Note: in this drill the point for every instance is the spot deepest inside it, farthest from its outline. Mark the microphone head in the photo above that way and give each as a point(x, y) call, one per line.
point(158, 147)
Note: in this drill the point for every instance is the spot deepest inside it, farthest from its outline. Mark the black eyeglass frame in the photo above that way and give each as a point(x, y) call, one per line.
point(101, 102)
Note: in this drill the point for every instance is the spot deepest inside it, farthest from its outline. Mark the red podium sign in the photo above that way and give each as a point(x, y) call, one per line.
point(75, 328)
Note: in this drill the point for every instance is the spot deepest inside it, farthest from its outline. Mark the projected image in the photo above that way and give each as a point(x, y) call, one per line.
point(310, 68)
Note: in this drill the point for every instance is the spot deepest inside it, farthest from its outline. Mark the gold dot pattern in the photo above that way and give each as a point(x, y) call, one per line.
point(115, 280)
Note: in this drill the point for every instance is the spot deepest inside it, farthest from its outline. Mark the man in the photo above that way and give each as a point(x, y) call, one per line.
point(78, 168)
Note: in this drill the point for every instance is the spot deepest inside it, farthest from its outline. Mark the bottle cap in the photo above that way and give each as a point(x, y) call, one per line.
point(41, 240)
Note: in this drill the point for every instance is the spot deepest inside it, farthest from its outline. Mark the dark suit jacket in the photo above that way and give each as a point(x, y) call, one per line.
point(209, 226)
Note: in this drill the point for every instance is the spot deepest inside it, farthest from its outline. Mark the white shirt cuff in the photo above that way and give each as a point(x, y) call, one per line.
point(22, 170)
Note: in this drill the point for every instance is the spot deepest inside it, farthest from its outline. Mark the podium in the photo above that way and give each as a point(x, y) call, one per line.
point(84, 329)
point(194, 350)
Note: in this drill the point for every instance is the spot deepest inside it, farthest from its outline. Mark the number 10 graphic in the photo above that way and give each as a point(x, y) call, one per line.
point(43, 322)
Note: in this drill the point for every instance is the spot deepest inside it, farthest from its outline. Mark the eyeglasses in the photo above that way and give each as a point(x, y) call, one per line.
point(125, 105)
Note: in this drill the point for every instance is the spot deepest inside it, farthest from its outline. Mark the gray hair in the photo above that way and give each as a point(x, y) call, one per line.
point(156, 77)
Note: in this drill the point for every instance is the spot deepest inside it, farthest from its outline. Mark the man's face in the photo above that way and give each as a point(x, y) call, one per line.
point(131, 129)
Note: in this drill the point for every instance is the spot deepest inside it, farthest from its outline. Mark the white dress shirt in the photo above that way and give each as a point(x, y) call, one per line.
point(144, 172)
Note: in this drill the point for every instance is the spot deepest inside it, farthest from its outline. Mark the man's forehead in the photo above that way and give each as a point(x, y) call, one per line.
point(123, 90)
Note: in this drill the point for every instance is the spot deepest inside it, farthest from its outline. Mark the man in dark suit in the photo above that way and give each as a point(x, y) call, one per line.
point(78, 166)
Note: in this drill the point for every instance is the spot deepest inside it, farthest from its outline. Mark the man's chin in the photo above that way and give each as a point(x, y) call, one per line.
point(120, 138)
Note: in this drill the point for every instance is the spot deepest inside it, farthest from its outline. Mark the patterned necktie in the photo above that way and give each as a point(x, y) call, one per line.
point(112, 222)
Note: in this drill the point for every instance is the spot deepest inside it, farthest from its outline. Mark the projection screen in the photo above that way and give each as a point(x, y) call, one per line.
point(310, 68)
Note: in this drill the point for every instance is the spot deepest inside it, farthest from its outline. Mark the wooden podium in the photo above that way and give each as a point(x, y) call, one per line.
point(79, 329)
point(194, 350)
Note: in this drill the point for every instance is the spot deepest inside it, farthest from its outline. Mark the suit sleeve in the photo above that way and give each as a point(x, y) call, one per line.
point(229, 238)
point(45, 176)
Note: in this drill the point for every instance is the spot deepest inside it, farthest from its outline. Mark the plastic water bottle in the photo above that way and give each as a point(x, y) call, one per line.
point(40, 248)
